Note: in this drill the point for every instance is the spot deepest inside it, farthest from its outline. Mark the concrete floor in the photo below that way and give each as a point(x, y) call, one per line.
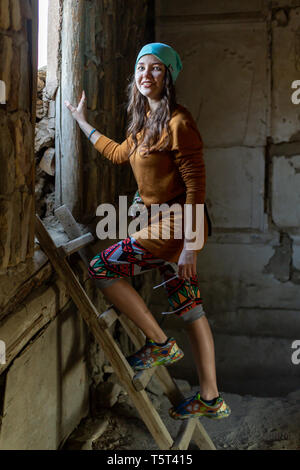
point(256, 423)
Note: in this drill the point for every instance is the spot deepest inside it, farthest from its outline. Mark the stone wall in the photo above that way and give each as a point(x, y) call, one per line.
point(239, 61)
point(44, 149)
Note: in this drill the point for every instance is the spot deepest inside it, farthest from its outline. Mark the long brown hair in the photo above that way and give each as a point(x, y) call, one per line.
point(152, 126)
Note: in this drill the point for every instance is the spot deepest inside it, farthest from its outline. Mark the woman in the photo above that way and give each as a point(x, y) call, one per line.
point(164, 149)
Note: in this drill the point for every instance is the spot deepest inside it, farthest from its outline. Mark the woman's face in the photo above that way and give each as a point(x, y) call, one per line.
point(149, 76)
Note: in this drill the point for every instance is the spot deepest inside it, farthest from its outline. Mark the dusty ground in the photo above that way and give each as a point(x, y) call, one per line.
point(255, 424)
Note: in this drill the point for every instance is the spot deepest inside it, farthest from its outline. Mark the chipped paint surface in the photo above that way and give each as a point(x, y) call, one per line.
point(280, 263)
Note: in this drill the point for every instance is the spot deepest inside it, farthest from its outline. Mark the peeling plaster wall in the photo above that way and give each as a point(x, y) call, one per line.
point(239, 61)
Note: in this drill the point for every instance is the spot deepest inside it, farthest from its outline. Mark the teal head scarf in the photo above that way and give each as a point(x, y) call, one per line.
point(166, 54)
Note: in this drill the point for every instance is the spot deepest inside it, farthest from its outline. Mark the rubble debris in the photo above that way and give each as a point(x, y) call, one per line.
point(44, 149)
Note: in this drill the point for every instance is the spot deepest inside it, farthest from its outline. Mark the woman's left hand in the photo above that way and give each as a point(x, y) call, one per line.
point(187, 264)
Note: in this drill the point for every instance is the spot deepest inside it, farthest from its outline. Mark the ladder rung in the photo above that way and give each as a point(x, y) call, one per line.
point(74, 245)
point(142, 378)
point(107, 318)
point(108, 369)
point(185, 434)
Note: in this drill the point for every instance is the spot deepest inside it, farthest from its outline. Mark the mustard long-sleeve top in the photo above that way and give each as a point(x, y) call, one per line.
point(174, 175)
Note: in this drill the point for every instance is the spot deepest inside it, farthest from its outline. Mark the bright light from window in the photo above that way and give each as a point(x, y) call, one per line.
point(43, 29)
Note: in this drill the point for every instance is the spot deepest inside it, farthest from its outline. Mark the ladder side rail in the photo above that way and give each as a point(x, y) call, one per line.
point(90, 314)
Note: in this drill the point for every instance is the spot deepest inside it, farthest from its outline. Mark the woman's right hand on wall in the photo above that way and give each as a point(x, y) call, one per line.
point(79, 113)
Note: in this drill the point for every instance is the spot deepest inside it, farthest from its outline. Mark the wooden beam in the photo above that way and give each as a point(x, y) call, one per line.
point(41, 306)
point(76, 244)
point(69, 172)
point(107, 318)
point(35, 271)
point(184, 435)
point(201, 438)
point(73, 231)
point(142, 378)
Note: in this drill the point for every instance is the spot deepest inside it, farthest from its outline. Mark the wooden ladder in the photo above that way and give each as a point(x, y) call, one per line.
point(133, 383)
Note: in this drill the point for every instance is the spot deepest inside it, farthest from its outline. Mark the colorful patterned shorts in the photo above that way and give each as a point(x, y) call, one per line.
point(128, 258)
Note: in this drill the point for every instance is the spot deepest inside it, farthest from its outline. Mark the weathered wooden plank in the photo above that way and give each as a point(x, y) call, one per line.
point(76, 244)
point(73, 230)
point(70, 174)
point(26, 277)
point(142, 378)
point(33, 72)
point(18, 59)
point(25, 289)
point(201, 438)
point(184, 435)
point(58, 150)
point(68, 222)
point(42, 306)
point(107, 318)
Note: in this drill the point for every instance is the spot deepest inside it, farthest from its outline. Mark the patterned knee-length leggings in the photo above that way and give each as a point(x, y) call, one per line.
point(128, 258)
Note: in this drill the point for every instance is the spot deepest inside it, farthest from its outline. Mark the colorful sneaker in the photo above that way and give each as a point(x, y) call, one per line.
point(194, 407)
point(152, 355)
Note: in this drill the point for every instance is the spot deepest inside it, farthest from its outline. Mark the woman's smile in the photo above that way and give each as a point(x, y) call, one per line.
point(149, 77)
